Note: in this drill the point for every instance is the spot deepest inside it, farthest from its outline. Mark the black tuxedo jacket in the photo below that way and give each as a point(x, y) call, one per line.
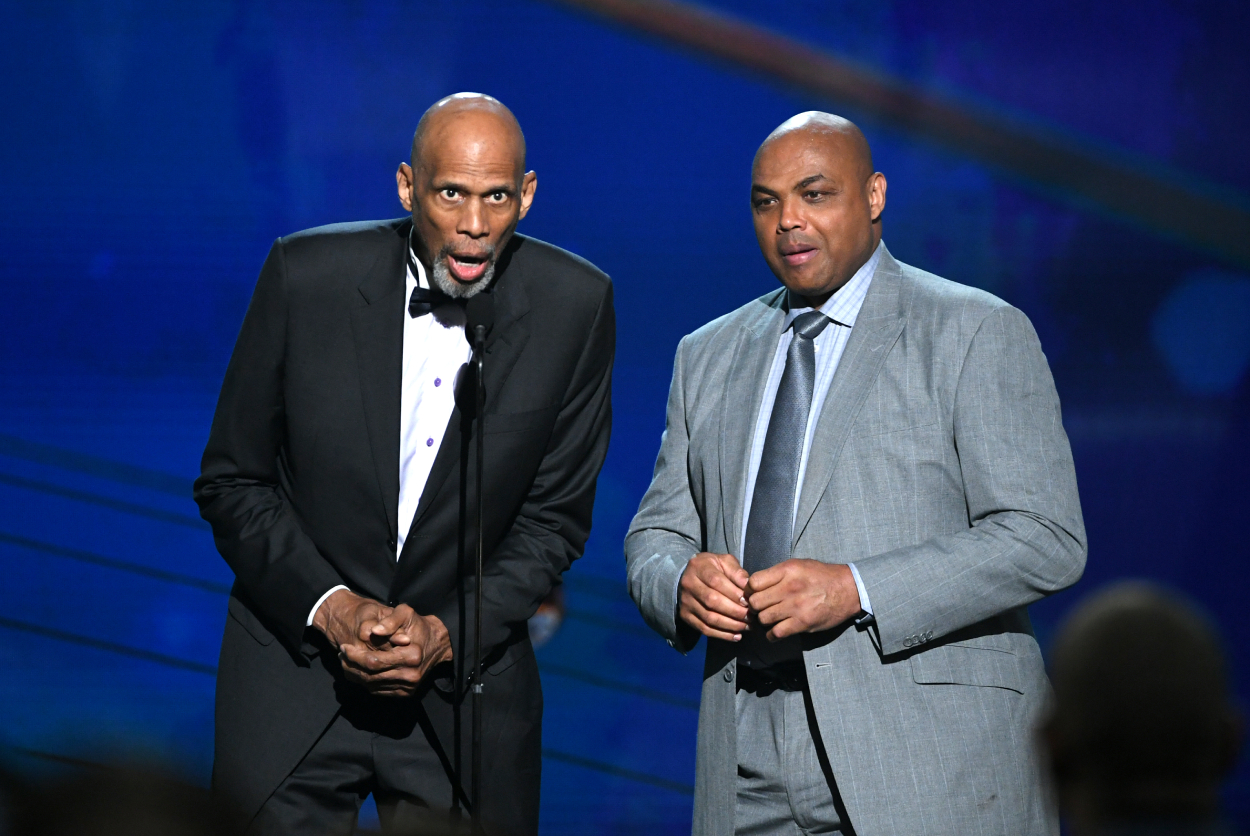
point(300, 481)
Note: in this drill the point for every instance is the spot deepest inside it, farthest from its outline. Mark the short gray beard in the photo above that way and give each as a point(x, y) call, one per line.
point(441, 276)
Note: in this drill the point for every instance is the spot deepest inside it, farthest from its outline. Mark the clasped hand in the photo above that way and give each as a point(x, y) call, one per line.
point(388, 650)
point(719, 599)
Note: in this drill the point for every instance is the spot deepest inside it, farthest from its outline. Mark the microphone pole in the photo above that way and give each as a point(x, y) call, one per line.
point(480, 315)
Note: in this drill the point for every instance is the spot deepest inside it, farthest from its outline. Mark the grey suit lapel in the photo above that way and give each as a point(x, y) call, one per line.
point(753, 355)
point(878, 326)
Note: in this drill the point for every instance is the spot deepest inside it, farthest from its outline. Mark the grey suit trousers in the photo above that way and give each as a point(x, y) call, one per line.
point(783, 788)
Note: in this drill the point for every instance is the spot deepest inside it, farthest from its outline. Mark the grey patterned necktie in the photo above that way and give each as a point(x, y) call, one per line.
point(770, 527)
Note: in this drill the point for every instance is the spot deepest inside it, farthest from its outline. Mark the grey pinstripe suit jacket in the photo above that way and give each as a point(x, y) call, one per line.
point(940, 467)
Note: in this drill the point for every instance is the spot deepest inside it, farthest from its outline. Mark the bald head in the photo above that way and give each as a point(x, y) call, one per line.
point(816, 203)
point(842, 136)
point(466, 188)
point(1142, 723)
point(466, 118)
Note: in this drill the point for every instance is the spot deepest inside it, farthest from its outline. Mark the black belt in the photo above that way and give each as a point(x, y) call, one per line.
point(786, 676)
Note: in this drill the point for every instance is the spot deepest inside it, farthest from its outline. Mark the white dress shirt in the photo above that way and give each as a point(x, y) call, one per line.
point(435, 350)
point(843, 308)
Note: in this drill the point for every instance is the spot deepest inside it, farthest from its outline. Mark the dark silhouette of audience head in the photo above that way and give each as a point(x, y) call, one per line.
point(116, 801)
point(126, 800)
point(1142, 730)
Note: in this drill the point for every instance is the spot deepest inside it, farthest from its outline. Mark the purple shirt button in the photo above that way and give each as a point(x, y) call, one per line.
point(438, 381)
point(429, 442)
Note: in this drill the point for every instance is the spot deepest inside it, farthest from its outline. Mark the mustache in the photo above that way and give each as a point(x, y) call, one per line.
point(486, 253)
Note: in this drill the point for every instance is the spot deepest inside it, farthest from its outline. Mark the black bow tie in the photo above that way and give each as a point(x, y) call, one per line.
point(424, 300)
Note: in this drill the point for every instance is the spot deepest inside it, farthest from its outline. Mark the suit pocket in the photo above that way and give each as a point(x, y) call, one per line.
point(519, 422)
point(510, 657)
point(975, 662)
point(248, 621)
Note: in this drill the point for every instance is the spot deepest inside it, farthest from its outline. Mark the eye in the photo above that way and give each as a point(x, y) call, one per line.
point(450, 194)
point(813, 195)
point(498, 197)
point(764, 202)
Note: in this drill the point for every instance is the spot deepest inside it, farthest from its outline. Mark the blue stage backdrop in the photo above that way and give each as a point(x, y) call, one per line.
point(152, 152)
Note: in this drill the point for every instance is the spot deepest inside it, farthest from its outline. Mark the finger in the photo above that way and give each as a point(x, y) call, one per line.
point(368, 634)
point(714, 601)
point(771, 597)
point(710, 632)
point(398, 678)
point(777, 613)
point(766, 579)
point(723, 584)
point(372, 660)
point(785, 628)
point(715, 620)
point(390, 624)
point(733, 570)
point(395, 693)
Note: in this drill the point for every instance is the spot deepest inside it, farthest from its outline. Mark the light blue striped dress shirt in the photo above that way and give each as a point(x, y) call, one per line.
point(843, 308)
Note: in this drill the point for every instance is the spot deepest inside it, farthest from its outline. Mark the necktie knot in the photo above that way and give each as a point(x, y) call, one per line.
point(809, 325)
point(425, 299)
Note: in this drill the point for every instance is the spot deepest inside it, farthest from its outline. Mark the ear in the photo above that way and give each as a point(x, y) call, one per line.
point(529, 185)
point(403, 181)
point(876, 195)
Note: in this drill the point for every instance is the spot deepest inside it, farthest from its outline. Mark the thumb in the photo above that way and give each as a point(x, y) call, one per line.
point(385, 627)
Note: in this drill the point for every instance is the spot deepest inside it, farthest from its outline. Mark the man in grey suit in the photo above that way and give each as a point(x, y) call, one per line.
point(863, 482)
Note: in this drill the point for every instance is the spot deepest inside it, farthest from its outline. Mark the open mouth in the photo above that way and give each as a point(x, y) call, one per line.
point(467, 267)
point(798, 254)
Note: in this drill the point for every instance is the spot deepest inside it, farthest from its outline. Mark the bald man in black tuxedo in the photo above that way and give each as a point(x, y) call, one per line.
point(339, 479)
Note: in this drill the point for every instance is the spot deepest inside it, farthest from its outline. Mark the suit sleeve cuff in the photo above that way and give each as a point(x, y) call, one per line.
point(677, 596)
point(313, 612)
point(864, 603)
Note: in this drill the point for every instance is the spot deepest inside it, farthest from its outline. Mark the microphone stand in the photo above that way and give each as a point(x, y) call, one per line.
point(479, 349)
point(480, 311)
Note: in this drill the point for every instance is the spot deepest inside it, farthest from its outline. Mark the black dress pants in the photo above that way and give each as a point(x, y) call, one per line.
point(389, 747)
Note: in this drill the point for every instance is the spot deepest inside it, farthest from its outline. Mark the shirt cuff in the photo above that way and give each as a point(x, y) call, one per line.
point(864, 603)
point(335, 589)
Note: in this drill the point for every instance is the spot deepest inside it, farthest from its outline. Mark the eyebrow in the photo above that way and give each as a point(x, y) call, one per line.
point(802, 184)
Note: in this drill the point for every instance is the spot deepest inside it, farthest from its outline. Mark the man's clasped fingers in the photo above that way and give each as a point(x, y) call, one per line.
point(394, 672)
point(711, 596)
point(394, 627)
point(712, 624)
point(370, 662)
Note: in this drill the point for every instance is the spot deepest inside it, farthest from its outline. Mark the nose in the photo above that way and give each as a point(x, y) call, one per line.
point(791, 216)
point(473, 221)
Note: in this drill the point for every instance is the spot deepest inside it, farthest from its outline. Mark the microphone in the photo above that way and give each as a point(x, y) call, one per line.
point(480, 312)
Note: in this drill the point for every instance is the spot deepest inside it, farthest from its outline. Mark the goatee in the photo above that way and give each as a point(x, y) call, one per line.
point(441, 276)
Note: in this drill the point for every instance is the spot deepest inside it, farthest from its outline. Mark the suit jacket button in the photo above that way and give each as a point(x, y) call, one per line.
point(729, 674)
point(390, 543)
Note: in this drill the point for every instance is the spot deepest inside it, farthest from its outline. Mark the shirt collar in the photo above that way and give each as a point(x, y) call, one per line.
point(843, 306)
point(416, 270)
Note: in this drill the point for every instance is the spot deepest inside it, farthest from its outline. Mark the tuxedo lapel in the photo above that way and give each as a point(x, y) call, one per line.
point(878, 326)
point(378, 330)
point(753, 356)
point(503, 346)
